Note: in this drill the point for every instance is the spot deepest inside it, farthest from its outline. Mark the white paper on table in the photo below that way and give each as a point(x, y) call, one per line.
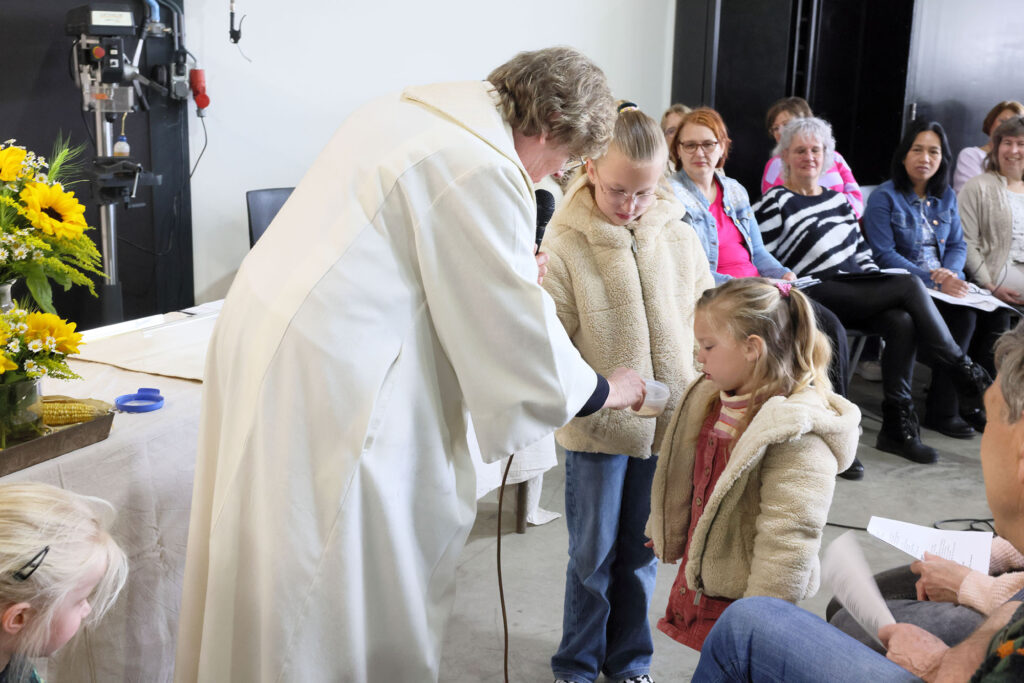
point(846, 572)
point(970, 548)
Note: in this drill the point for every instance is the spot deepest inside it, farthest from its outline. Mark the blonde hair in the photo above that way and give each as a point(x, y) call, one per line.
point(72, 528)
point(560, 92)
point(674, 108)
point(796, 354)
point(637, 135)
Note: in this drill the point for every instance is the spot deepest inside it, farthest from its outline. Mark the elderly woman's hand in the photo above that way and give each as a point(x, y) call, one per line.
point(1010, 296)
point(940, 578)
point(949, 283)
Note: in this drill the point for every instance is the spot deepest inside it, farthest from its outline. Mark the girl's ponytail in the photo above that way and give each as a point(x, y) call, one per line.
point(812, 352)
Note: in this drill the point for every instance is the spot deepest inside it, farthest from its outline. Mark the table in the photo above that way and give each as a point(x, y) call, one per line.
point(145, 469)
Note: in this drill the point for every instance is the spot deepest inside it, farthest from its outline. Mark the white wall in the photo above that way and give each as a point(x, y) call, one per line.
point(315, 61)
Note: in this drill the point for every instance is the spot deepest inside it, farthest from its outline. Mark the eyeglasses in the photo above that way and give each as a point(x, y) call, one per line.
point(570, 165)
point(640, 199)
point(708, 146)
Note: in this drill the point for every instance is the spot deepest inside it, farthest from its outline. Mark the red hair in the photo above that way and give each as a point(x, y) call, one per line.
point(709, 118)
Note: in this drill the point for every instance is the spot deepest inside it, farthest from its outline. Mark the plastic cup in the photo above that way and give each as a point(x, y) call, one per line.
point(654, 402)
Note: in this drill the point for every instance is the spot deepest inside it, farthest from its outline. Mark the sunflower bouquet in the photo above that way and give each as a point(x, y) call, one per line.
point(32, 345)
point(42, 224)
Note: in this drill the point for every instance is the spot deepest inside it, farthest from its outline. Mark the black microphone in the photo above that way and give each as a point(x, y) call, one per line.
point(545, 209)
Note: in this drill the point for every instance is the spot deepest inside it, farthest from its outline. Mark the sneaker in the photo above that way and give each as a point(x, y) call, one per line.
point(871, 370)
point(642, 678)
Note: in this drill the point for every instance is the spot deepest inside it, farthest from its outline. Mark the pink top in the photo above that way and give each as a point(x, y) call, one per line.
point(984, 592)
point(733, 257)
point(839, 178)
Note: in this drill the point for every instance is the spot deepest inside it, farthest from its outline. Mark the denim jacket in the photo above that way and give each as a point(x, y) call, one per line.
point(892, 227)
point(737, 206)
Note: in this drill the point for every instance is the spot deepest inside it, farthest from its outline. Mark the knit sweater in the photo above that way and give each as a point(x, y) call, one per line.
point(987, 221)
point(812, 235)
point(985, 592)
point(761, 528)
point(626, 296)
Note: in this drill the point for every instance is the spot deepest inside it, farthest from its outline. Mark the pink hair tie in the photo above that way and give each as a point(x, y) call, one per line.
point(784, 288)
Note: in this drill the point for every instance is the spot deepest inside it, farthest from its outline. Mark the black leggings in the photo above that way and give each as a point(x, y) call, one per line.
point(975, 332)
point(899, 308)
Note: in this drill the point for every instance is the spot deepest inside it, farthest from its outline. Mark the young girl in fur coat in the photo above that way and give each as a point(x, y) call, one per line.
point(625, 272)
point(748, 465)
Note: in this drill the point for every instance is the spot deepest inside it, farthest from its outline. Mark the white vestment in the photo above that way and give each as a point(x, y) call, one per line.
point(395, 290)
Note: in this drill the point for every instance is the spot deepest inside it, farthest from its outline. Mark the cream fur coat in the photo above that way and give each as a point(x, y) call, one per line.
point(626, 296)
point(761, 528)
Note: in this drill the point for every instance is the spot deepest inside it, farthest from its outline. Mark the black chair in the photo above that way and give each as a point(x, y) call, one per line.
point(263, 205)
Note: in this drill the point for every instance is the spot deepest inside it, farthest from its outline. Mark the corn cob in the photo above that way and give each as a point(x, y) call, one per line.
point(57, 413)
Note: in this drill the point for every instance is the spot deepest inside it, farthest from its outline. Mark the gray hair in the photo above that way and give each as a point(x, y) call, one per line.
point(1009, 357)
point(560, 92)
point(811, 127)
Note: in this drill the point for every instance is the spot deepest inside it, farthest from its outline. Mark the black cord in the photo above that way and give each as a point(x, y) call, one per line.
point(846, 526)
point(972, 524)
point(206, 139)
point(501, 587)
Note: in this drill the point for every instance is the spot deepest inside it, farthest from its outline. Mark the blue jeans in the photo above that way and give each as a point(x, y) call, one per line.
point(610, 578)
point(767, 639)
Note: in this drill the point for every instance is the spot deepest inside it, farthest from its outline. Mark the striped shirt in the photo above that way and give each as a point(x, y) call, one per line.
point(838, 177)
point(816, 236)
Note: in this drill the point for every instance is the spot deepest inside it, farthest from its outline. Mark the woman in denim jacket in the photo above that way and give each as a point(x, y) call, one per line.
point(719, 210)
point(912, 222)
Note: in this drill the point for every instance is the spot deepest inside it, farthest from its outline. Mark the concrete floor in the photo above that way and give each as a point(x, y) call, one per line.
point(534, 563)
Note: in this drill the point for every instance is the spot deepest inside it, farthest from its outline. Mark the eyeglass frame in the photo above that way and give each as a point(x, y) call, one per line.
point(636, 199)
point(703, 146)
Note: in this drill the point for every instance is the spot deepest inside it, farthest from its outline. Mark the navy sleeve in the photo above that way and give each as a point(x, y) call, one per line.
point(597, 399)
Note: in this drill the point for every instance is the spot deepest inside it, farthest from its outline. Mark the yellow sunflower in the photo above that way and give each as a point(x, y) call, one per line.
point(11, 160)
point(42, 326)
point(56, 212)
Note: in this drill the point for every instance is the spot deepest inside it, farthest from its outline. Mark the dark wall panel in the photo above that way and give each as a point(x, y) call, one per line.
point(38, 99)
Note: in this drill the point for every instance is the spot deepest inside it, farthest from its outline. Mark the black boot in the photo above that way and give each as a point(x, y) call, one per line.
point(854, 472)
point(971, 382)
point(900, 433)
point(976, 418)
point(950, 425)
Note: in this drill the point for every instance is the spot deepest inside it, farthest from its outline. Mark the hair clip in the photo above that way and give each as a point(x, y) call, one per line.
point(32, 565)
point(784, 289)
point(626, 105)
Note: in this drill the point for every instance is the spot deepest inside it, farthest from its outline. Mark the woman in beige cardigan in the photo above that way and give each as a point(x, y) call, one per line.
point(992, 215)
point(624, 272)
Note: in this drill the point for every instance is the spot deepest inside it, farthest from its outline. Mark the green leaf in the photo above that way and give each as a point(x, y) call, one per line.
point(39, 287)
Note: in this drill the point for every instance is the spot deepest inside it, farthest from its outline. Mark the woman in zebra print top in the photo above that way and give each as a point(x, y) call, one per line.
point(813, 231)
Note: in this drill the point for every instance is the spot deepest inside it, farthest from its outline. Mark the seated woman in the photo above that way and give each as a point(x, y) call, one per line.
point(912, 222)
point(814, 232)
point(837, 176)
point(971, 160)
point(625, 274)
point(670, 121)
point(992, 213)
point(719, 210)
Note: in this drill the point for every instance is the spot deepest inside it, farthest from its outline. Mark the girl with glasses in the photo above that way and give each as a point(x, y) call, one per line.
point(625, 272)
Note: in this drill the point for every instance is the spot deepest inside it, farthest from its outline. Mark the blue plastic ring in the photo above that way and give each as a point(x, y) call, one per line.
point(144, 401)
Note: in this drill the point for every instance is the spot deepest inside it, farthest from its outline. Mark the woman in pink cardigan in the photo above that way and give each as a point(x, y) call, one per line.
point(837, 177)
point(944, 598)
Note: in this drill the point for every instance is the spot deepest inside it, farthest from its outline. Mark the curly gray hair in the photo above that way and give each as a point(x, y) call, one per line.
point(811, 127)
point(560, 92)
point(1009, 357)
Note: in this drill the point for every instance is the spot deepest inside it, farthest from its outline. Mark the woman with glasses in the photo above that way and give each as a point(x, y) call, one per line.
point(837, 176)
point(813, 231)
point(625, 273)
point(718, 208)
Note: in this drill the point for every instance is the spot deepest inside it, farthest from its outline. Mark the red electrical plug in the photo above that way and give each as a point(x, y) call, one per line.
point(197, 83)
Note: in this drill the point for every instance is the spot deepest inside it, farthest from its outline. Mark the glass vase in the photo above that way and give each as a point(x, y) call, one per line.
point(21, 411)
point(6, 302)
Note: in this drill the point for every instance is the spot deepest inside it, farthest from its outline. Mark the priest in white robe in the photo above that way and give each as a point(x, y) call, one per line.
point(395, 291)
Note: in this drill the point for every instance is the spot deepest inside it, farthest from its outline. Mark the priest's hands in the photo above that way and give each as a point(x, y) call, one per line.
point(626, 389)
point(542, 265)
